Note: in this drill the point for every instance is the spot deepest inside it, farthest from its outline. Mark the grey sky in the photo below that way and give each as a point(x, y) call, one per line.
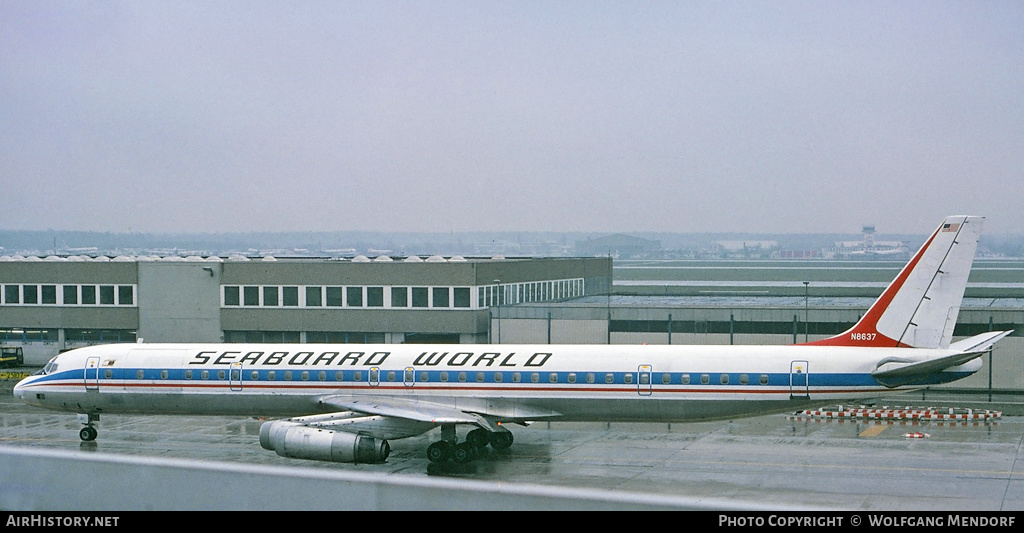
point(208, 116)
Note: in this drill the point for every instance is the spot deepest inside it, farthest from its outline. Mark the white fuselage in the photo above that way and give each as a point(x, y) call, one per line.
point(509, 382)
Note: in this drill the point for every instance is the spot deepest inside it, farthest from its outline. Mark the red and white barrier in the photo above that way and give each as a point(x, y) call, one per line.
point(902, 413)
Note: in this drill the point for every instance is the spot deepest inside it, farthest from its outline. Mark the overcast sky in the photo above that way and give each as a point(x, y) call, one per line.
point(775, 116)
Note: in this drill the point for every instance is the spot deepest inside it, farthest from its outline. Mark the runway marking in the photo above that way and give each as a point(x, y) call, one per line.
point(873, 431)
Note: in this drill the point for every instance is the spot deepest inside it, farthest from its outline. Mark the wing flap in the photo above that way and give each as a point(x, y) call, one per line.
point(485, 413)
point(401, 408)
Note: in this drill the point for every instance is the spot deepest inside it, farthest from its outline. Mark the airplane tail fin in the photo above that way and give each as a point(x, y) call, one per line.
point(920, 307)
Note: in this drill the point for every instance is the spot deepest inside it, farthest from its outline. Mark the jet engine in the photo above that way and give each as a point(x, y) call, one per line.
point(297, 441)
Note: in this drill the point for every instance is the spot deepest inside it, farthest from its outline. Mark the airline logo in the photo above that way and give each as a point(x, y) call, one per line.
point(486, 359)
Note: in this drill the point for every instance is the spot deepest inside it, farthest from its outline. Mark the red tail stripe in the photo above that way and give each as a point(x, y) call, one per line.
point(867, 327)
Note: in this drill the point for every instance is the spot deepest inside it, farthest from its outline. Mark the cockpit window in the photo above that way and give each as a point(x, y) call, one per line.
point(50, 367)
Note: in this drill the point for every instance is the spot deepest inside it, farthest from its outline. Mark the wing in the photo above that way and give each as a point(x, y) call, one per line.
point(484, 413)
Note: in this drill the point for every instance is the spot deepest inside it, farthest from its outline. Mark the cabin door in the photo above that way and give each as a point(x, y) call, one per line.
point(799, 387)
point(235, 376)
point(92, 373)
point(643, 380)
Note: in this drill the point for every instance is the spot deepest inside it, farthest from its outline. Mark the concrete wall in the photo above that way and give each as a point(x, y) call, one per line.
point(179, 302)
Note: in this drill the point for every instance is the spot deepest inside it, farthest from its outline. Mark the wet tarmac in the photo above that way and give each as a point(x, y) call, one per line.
point(785, 460)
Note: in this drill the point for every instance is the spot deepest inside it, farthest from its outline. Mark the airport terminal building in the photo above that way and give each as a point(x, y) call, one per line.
point(57, 303)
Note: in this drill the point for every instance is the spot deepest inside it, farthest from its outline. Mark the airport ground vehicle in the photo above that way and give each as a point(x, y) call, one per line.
point(11, 356)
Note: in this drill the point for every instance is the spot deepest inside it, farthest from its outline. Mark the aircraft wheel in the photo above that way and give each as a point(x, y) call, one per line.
point(464, 452)
point(439, 451)
point(501, 440)
point(479, 437)
point(88, 433)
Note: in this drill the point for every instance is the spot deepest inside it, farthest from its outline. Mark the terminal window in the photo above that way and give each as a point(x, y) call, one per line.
point(399, 297)
point(375, 296)
point(251, 295)
point(30, 294)
point(355, 296)
point(461, 296)
point(314, 296)
point(441, 297)
point(33, 294)
point(420, 297)
point(334, 297)
point(270, 296)
point(290, 296)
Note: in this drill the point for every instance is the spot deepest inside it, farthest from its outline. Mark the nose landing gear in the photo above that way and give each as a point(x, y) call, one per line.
point(88, 433)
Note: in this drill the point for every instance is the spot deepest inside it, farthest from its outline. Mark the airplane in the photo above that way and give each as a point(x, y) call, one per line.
point(344, 402)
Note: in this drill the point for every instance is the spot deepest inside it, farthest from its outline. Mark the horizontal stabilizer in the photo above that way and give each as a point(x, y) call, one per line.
point(979, 343)
point(893, 371)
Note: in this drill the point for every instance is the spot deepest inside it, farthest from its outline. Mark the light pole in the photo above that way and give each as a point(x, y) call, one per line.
point(497, 313)
point(806, 283)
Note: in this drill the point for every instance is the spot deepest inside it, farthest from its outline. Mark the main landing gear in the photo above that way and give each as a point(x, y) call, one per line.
point(88, 433)
point(449, 449)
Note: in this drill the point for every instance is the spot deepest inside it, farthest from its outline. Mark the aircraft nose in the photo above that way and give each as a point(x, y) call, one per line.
point(19, 389)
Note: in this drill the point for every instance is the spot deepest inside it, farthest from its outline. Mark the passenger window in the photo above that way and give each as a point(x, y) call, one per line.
point(517, 377)
point(139, 373)
point(444, 376)
point(572, 377)
point(744, 379)
point(271, 375)
point(764, 379)
point(287, 375)
point(255, 375)
point(322, 376)
point(724, 379)
point(553, 377)
point(628, 378)
point(590, 377)
point(357, 375)
point(609, 378)
point(705, 379)
point(535, 377)
point(498, 377)
point(206, 374)
point(424, 376)
point(685, 380)
point(462, 376)
point(666, 378)
point(480, 377)
point(220, 374)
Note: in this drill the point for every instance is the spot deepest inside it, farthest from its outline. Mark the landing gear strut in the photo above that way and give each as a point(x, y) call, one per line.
point(88, 433)
point(449, 449)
